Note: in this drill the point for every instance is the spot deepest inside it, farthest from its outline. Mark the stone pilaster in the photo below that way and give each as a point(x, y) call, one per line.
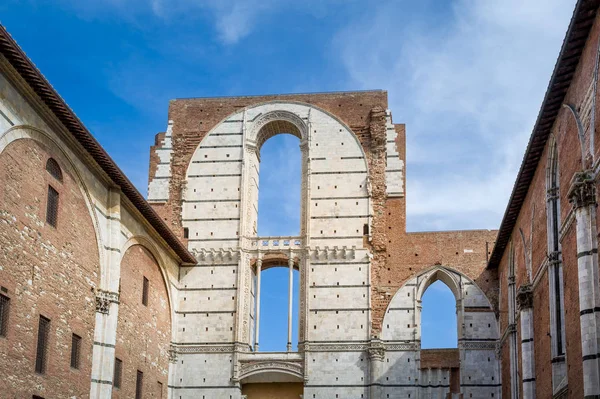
point(582, 196)
point(376, 353)
point(107, 302)
point(525, 306)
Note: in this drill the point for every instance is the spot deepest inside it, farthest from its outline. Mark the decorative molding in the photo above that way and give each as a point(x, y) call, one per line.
point(478, 345)
point(247, 368)
point(221, 255)
point(334, 347)
point(204, 348)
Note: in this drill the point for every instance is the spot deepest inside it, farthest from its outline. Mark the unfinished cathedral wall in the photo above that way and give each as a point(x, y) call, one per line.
point(353, 252)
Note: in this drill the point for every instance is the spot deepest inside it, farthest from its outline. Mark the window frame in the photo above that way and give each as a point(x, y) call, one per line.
point(43, 338)
point(52, 206)
point(4, 314)
point(75, 351)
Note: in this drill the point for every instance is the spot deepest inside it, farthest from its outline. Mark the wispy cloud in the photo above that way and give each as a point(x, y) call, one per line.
point(469, 90)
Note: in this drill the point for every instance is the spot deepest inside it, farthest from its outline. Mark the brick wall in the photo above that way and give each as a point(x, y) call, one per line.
point(48, 271)
point(143, 332)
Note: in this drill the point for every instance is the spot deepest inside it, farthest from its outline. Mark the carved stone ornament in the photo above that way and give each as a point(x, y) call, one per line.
point(104, 299)
point(582, 191)
point(172, 354)
point(291, 367)
point(525, 297)
point(376, 350)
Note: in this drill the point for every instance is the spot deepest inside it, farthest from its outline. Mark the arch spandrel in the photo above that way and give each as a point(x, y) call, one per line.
point(404, 308)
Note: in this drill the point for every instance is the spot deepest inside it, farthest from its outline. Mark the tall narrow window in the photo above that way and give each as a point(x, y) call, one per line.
point(145, 292)
point(186, 232)
point(4, 308)
point(54, 170)
point(52, 207)
point(555, 270)
point(280, 161)
point(118, 372)
point(75, 350)
point(42, 345)
point(139, 382)
point(160, 389)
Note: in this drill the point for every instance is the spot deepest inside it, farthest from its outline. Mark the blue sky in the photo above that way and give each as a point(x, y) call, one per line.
point(466, 76)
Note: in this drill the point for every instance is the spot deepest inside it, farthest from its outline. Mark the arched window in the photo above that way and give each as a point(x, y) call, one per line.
point(279, 212)
point(54, 170)
point(438, 317)
point(555, 269)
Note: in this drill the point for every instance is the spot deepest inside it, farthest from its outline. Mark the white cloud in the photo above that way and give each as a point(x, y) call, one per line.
point(469, 90)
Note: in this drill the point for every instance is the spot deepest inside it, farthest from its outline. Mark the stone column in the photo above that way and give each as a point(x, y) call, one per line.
point(107, 300)
point(290, 298)
point(525, 305)
point(257, 310)
point(376, 356)
point(582, 196)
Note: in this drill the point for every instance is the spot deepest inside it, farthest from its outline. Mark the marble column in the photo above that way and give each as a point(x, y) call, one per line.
point(257, 311)
point(582, 196)
point(525, 305)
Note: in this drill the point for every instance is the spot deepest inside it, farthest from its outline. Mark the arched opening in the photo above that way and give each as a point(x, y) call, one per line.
point(279, 212)
point(438, 317)
point(279, 186)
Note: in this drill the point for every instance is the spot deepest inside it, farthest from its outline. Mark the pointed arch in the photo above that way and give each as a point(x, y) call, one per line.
point(444, 275)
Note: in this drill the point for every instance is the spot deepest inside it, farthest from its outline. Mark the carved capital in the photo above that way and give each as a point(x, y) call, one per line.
point(582, 191)
point(104, 299)
point(172, 354)
point(525, 297)
point(376, 350)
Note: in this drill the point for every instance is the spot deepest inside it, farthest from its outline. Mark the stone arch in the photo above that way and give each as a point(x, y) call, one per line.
point(144, 321)
point(468, 297)
point(30, 132)
point(442, 274)
point(68, 267)
point(284, 368)
point(274, 123)
point(149, 245)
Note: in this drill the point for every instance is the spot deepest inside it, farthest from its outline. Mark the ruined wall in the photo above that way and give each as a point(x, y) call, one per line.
point(45, 271)
point(204, 177)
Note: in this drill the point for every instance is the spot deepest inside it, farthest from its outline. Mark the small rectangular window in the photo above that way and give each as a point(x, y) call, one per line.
point(42, 345)
point(4, 307)
point(160, 389)
point(52, 207)
point(118, 373)
point(139, 381)
point(75, 350)
point(145, 292)
point(186, 232)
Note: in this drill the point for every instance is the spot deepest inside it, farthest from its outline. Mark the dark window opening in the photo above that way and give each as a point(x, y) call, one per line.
point(4, 307)
point(42, 345)
point(54, 170)
point(365, 229)
point(186, 232)
point(138, 384)
point(75, 351)
point(118, 373)
point(145, 292)
point(52, 207)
